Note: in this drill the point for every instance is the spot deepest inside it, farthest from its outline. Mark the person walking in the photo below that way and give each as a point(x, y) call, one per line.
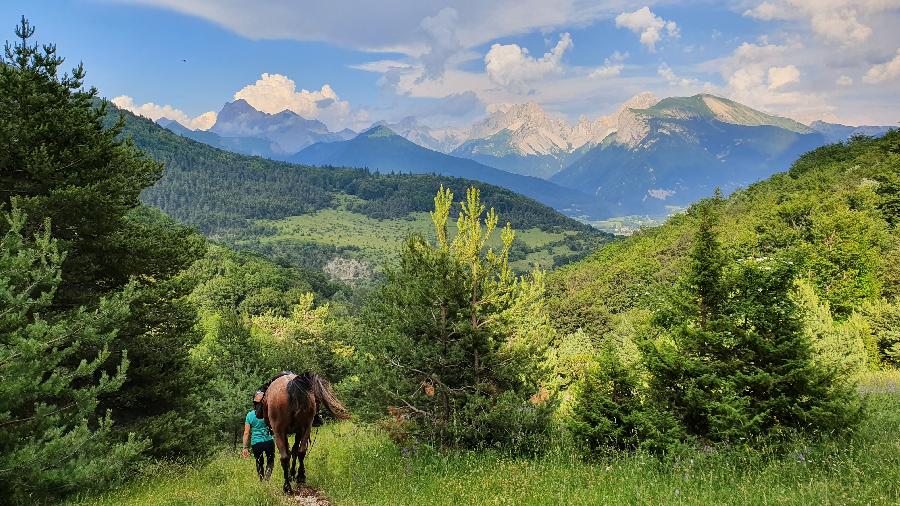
point(257, 433)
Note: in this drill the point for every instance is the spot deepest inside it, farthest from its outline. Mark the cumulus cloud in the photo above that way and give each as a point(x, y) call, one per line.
point(759, 76)
point(443, 43)
point(155, 112)
point(666, 72)
point(651, 27)
point(273, 93)
point(844, 80)
point(611, 67)
point(511, 66)
point(782, 76)
point(841, 21)
point(884, 72)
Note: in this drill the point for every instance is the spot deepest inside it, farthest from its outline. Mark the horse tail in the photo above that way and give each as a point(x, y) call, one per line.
point(325, 396)
point(297, 389)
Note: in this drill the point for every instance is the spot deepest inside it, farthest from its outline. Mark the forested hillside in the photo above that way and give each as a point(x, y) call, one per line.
point(239, 199)
point(834, 215)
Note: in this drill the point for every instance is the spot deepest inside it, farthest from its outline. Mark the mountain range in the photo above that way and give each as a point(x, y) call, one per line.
point(383, 150)
point(647, 157)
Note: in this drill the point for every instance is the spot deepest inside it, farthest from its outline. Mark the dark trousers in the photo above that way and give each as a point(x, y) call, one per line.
point(266, 448)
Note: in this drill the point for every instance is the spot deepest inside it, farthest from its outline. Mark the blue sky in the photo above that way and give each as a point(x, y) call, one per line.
point(448, 63)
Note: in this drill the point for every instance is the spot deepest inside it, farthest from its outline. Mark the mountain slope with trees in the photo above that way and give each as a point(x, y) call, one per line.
point(833, 215)
point(232, 197)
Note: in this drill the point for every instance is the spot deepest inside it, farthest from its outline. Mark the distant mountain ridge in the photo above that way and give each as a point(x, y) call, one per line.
point(383, 150)
point(288, 131)
point(681, 149)
point(647, 157)
point(835, 132)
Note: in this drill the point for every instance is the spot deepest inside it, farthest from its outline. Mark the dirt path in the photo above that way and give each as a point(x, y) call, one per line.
point(306, 495)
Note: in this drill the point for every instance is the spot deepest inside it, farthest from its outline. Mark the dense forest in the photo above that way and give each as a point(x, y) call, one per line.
point(129, 341)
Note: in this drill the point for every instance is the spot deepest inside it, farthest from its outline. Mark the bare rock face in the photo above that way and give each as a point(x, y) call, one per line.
point(348, 270)
point(632, 128)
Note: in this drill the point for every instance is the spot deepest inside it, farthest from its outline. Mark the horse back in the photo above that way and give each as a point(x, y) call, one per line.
point(277, 402)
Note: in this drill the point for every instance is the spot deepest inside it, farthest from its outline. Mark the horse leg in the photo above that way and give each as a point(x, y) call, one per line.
point(294, 451)
point(303, 437)
point(281, 441)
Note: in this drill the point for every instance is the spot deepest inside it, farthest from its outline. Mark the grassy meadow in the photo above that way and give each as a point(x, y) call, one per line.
point(378, 241)
point(359, 465)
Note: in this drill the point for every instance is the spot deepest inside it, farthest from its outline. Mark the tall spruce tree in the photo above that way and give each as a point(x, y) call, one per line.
point(58, 161)
point(52, 442)
point(734, 361)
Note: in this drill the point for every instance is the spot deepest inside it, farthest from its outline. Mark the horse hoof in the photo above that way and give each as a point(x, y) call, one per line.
point(287, 489)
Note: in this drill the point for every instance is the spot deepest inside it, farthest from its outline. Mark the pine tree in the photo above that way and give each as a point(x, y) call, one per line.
point(59, 161)
point(734, 361)
point(453, 338)
point(51, 442)
point(611, 412)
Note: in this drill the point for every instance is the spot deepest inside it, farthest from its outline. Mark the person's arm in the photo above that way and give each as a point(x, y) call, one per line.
point(245, 452)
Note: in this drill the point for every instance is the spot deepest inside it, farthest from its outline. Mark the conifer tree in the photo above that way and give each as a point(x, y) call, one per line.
point(59, 161)
point(453, 338)
point(734, 361)
point(51, 442)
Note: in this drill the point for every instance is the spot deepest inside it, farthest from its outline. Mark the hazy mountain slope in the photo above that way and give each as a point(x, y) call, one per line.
point(382, 150)
point(681, 149)
point(247, 145)
point(835, 132)
point(287, 131)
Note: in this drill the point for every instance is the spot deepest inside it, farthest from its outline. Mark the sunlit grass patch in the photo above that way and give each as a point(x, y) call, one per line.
point(227, 479)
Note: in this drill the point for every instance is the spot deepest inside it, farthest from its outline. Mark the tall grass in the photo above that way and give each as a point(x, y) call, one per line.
point(358, 464)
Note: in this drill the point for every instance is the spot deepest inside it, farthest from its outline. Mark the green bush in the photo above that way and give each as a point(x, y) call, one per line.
point(610, 411)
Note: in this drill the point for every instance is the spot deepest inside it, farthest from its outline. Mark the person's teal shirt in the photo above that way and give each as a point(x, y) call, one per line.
point(259, 431)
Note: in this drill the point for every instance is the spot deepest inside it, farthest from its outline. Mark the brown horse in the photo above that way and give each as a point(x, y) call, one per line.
point(290, 404)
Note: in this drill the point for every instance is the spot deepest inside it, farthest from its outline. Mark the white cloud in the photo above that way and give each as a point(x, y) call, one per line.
point(442, 41)
point(765, 11)
point(666, 72)
point(651, 27)
point(758, 75)
point(884, 72)
point(843, 21)
point(273, 93)
point(153, 111)
point(382, 66)
point(411, 27)
point(782, 76)
point(511, 66)
point(844, 80)
point(611, 67)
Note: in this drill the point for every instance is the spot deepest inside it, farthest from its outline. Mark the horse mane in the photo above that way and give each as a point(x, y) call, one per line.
point(303, 384)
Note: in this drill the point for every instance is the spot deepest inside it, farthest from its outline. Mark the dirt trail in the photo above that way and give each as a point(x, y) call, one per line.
point(306, 495)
